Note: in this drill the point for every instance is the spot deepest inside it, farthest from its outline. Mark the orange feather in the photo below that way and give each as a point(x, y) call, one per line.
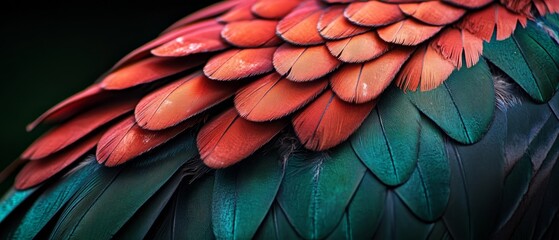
point(240, 63)
point(408, 32)
point(453, 44)
point(207, 39)
point(333, 24)
point(373, 13)
point(181, 100)
point(126, 140)
point(469, 3)
point(360, 48)
point(251, 34)
point(360, 83)
point(72, 105)
point(239, 13)
point(426, 69)
point(228, 138)
point(273, 9)
point(328, 121)
point(36, 172)
point(303, 64)
point(433, 12)
point(299, 27)
point(482, 23)
point(273, 97)
point(148, 70)
point(77, 128)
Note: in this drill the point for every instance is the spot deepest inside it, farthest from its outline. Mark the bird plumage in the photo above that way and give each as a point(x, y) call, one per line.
point(310, 119)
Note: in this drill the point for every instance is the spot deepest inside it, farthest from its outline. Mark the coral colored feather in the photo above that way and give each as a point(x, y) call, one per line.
point(408, 32)
point(273, 97)
point(453, 44)
point(303, 64)
point(426, 69)
point(77, 128)
point(433, 12)
point(360, 83)
point(483, 23)
point(148, 70)
point(36, 172)
point(373, 13)
point(326, 123)
point(360, 48)
point(209, 12)
point(273, 9)
point(251, 34)
point(300, 26)
point(202, 40)
point(126, 140)
point(240, 63)
point(228, 138)
point(240, 12)
point(469, 3)
point(181, 100)
point(334, 25)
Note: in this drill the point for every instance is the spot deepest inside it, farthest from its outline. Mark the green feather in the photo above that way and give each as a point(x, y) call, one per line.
point(139, 225)
point(318, 187)
point(439, 232)
point(476, 184)
point(388, 140)
point(463, 105)
point(122, 190)
point(364, 213)
point(276, 226)
point(399, 223)
point(531, 60)
point(426, 193)
point(12, 200)
point(51, 201)
point(244, 193)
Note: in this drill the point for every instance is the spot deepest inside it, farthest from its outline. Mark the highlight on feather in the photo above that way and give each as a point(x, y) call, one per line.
point(333, 24)
point(426, 69)
point(240, 63)
point(181, 100)
point(302, 64)
point(198, 40)
point(359, 48)
point(273, 9)
point(373, 13)
point(228, 138)
point(454, 45)
point(251, 34)
point(299, 27)
point(433, 12)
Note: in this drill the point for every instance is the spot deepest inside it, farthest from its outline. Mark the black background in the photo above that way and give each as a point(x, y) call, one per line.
point(52, 49)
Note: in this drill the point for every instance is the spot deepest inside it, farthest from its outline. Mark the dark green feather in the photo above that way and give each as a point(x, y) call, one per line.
point(51, 201)
point(318, 187)
point(388, 140)
point(426, 193)
point(530, 60)
point(463, 105)
point(276, 226)
point(244, 193)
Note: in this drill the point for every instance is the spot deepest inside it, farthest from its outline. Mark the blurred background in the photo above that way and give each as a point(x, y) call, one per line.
point(51, 50)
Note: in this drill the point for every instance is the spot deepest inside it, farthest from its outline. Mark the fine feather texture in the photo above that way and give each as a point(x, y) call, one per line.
point(433, 12)
point(426, 70)
point(255, 33)
point(303, 64)
point(203, 38)
point(407, 32)
point(333, 24)
point(359, 48)
point(237, 64)
point(373, 13)
point(273, 9)
point(299, 27)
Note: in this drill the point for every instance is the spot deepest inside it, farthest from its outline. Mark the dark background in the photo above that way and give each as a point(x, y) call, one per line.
point(50, 50)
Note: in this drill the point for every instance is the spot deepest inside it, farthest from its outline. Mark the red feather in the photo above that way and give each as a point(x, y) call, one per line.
point(181, 100)
point(452, 44)
point(373, 13)
point(426, 69)
point(251, 34)
point(469, 3)
point(202, 40)
point(408, 32)
point(228, 138)
point(126, 140)
point(482, 23)
point(299, 27)
point(303, 64)
point(211, 11)
point(240, 63)
point(238, 13)
point(148, 70)
point(274, 9)
point(360, 48)
point(328, 121)
point(273, 97)
point(75, 129)
point(360, 83)
point(72, 105)
point(333, 24)
point(433, 12)
point(36, 172)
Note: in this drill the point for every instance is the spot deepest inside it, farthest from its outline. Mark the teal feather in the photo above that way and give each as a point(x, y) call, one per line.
point(388, 140)
point(276, 226)
point(363, 215)
point(426, 193)
point(439, 231)
point(531, 61)
point(244, 193)
point(12, 200)
point(125, 190)
point(318, 187)
point(476, 184)
point(453, 108)
point(51, 201)
point(139, 225)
